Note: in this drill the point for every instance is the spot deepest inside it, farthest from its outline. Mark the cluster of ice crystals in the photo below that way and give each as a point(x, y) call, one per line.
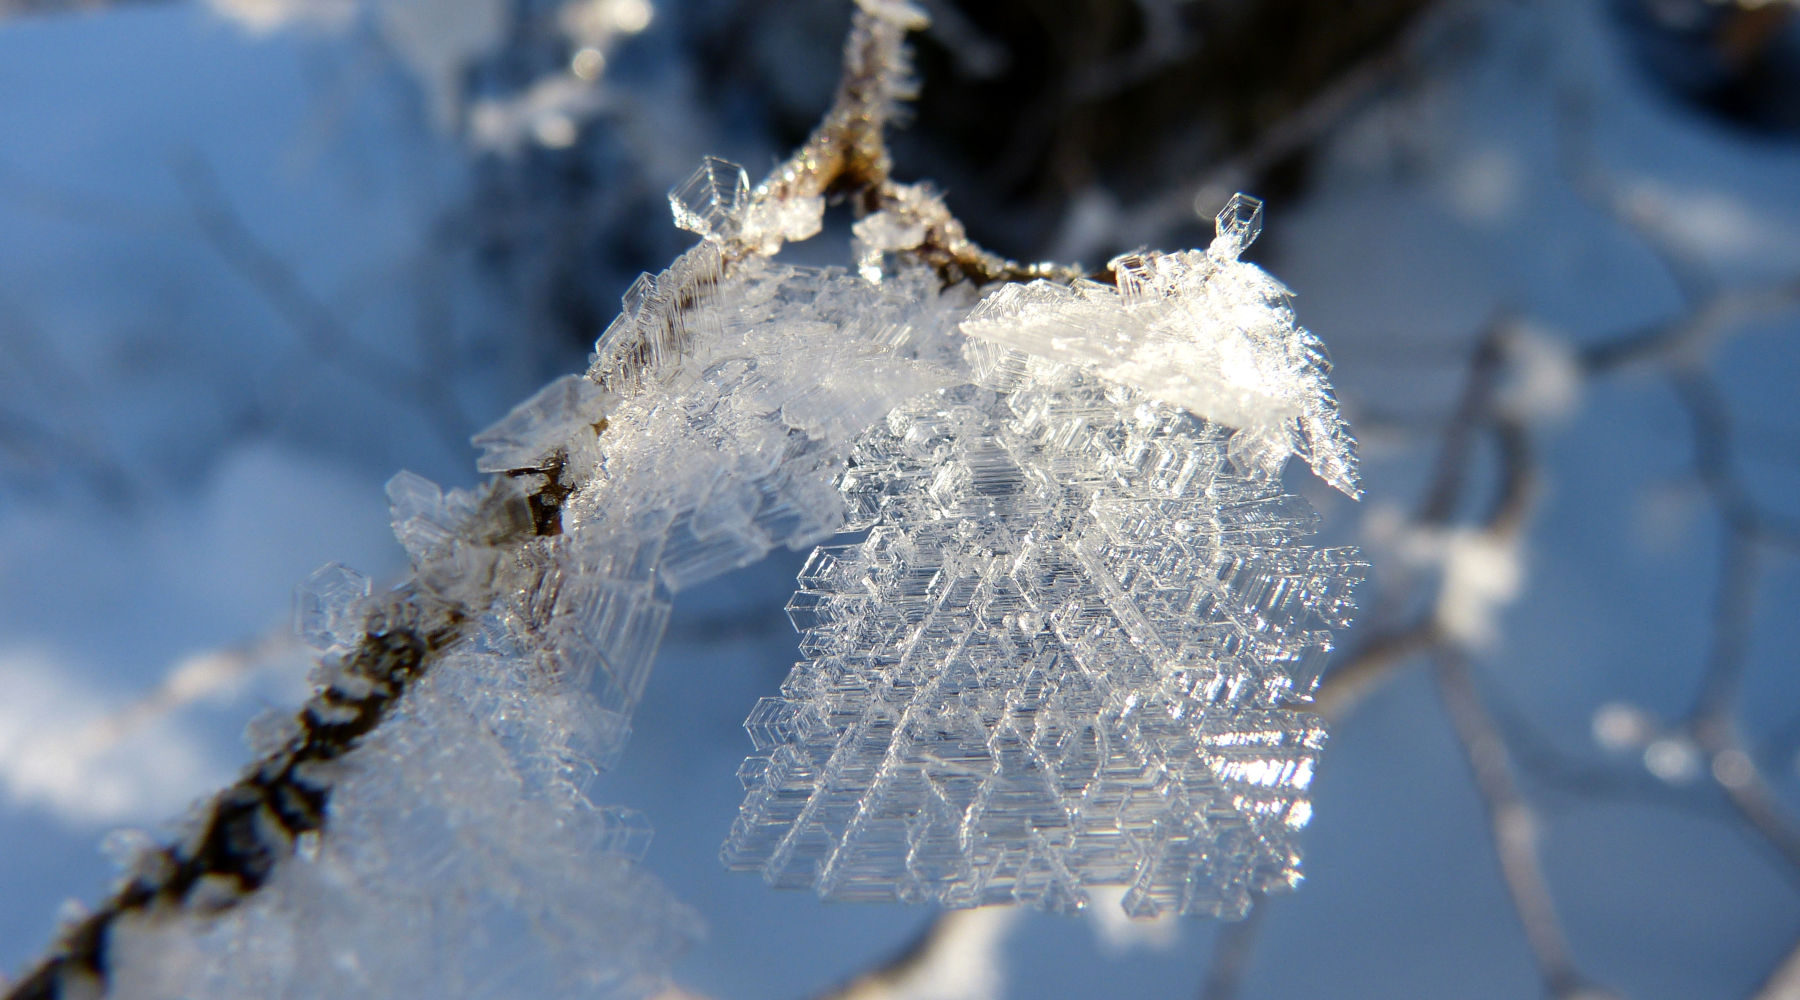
point(1200, 329)
point(881, 233)
point(529, 435)
point(1066, 655)
point(460, 855)
point(461, 860)
point(329, 606)
point(715, 203)
point(712, 199)
point(717, 412)
point(1072, 649)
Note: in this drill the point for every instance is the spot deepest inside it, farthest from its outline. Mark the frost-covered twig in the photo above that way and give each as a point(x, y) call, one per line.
point(1042, 455)
point(847, 155)
point(238, 838)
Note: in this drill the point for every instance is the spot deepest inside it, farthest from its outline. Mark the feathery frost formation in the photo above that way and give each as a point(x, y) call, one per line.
point(1069, 650)
point(1202, 330)
point(1072, 649)
point(710, 430)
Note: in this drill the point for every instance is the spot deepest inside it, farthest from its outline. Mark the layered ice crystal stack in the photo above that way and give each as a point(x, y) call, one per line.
point(1071, 648)
point(1074, 647)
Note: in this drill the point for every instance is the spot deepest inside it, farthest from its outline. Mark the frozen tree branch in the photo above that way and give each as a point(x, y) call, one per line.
point(565, 561)
point(233, 850)
point(1232, 951)
point(245, 831)
point(1514, 826)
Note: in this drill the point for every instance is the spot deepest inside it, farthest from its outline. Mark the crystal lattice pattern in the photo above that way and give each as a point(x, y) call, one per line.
point(1073, 649)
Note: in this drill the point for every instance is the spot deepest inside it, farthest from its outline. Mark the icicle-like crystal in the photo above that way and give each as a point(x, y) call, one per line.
point(1238, 225)
point(711, 199)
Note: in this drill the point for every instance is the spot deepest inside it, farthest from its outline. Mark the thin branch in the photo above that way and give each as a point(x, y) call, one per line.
point(246, 830)
point(1689, 336)
point(316, 324)
point(1713, 721)
point(957, 956)
point(1682, 345)
point(1370, 664)
point(1514, 827)
point(1359, 673)
point(1784, 982)
point(1232, 951)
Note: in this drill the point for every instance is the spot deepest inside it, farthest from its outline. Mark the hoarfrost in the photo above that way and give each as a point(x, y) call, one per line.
point(716, 417)
point(1067, 654)
point(1200, 329)
point(1071, 651)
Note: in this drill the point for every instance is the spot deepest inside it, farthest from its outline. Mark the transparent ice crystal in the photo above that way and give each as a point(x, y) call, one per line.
point(1200, 329)
point(710, 199)
point(1072, 650)
point(1237, 225)
point(329, 606)
point(461, 861)
point(716, 203)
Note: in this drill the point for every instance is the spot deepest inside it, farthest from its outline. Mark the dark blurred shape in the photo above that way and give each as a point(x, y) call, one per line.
point(1025, 105)
point(1737, 62)
point(1027, 102)
point(1138, 95)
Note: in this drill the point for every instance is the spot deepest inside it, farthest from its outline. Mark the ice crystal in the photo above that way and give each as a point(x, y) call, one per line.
point(1071, 650)
point(717, 414)
point(329, 606)
point(1200, 329)
point(461, 861)
point(710, 199)
point(1066, 655)
point(1074, 648)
